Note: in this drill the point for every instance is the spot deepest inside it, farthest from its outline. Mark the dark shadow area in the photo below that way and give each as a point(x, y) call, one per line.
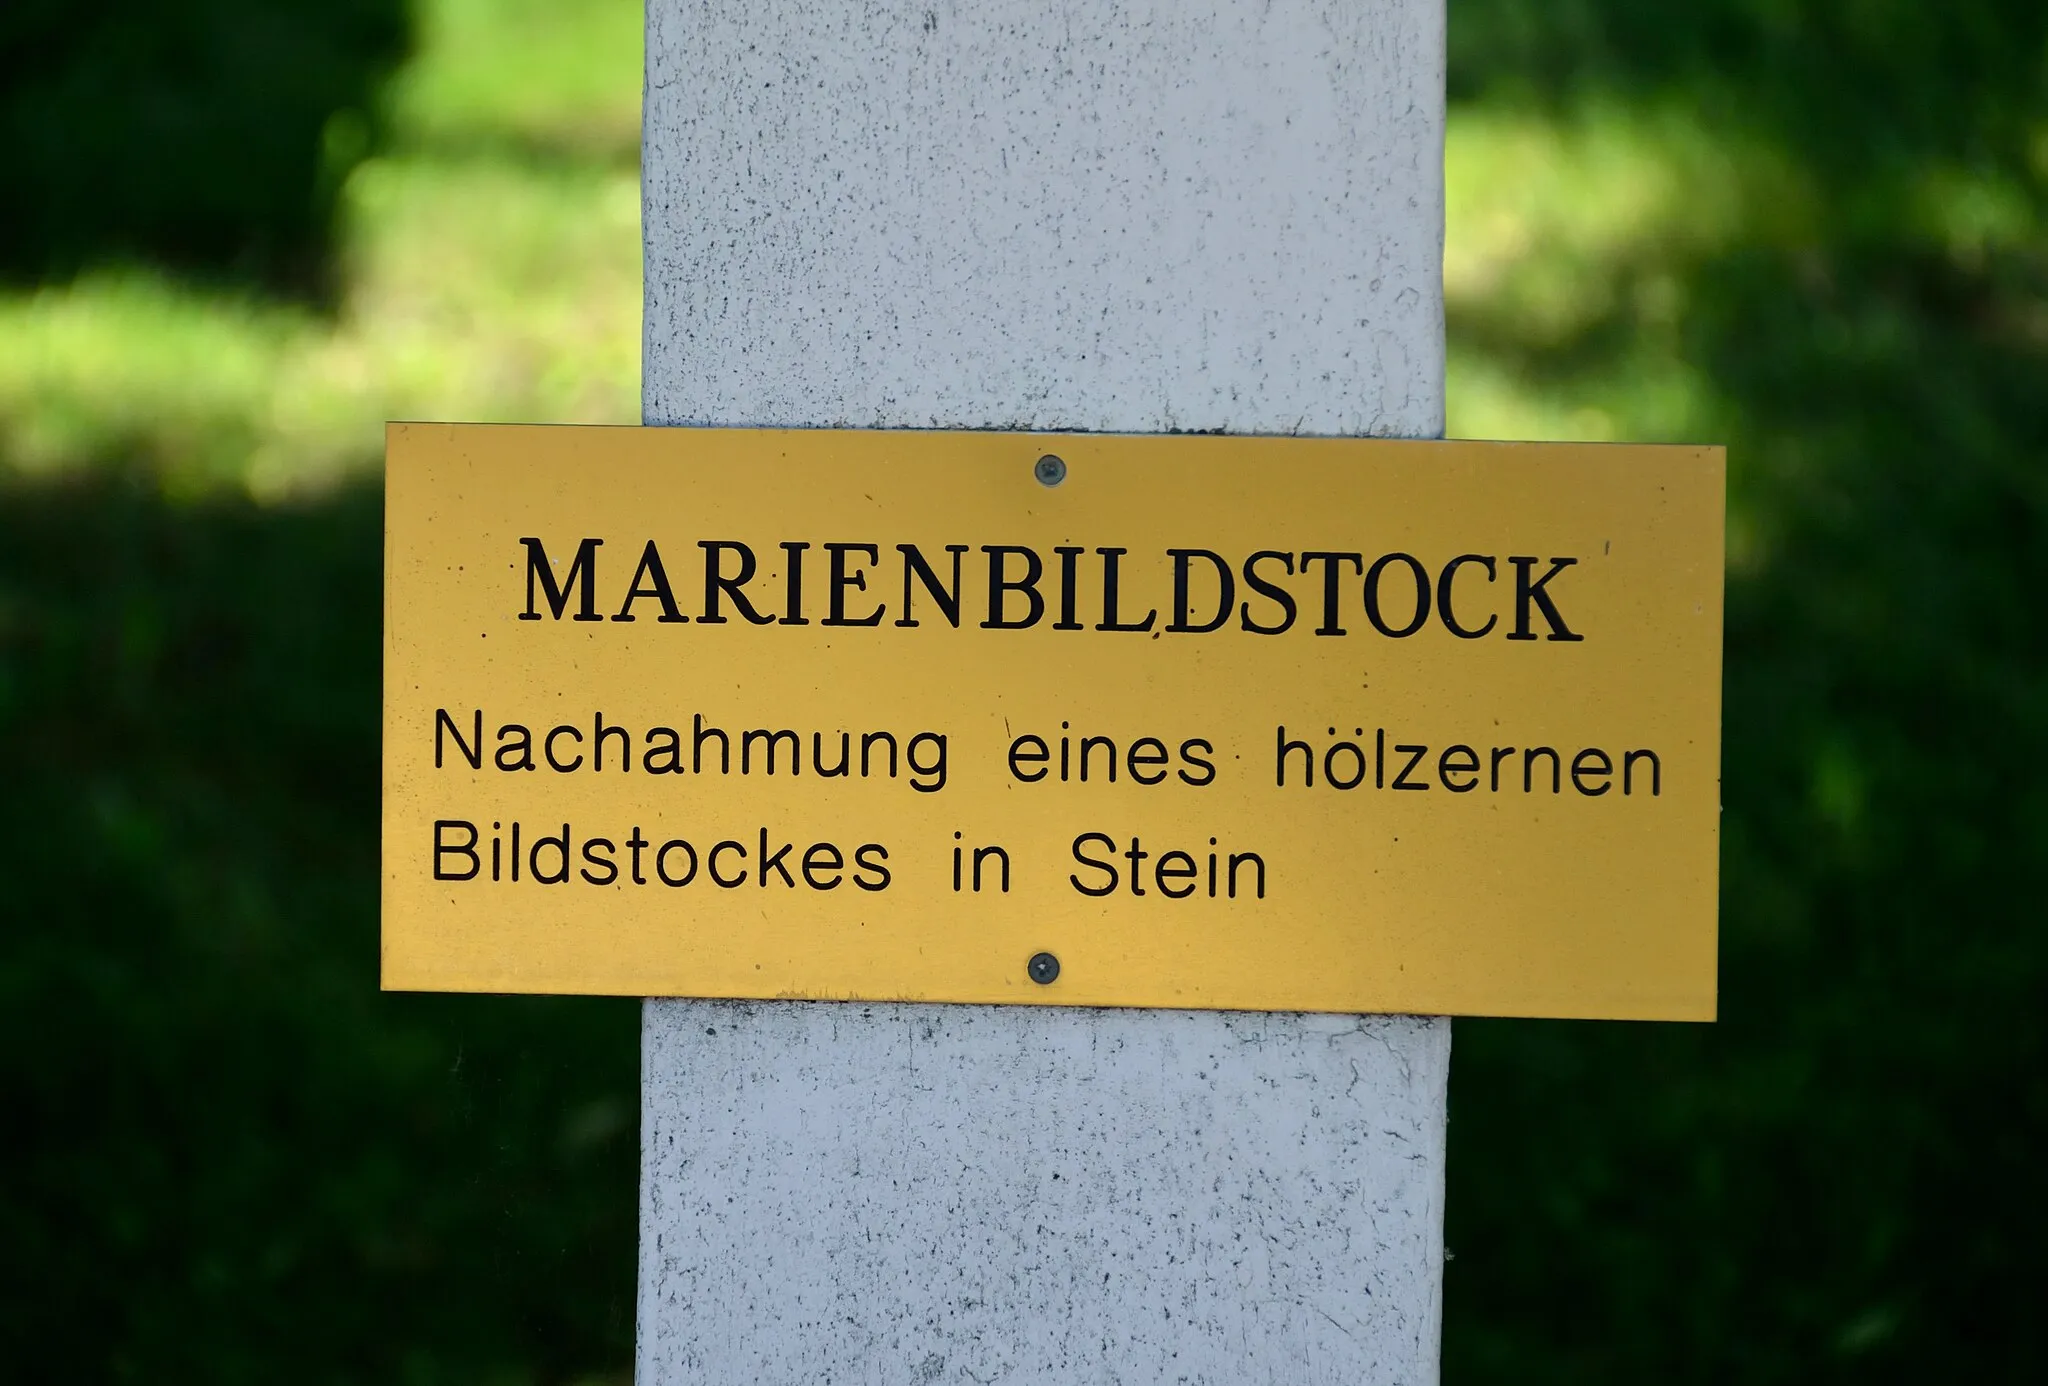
point(1841, 1181)
point(209, 137)
point(229, 1157)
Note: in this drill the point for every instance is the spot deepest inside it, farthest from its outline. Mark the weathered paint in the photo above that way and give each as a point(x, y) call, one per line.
point(1194, 215)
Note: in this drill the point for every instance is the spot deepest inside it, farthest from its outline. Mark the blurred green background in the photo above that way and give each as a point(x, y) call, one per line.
point(238, 235)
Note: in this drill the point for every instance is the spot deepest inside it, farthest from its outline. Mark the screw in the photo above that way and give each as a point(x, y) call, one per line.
point(1050, 471)
point(1044, 967)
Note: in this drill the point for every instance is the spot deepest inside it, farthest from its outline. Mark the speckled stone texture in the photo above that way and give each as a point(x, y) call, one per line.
point(883, 1194)
point(1179, 214)
point(1203, 214)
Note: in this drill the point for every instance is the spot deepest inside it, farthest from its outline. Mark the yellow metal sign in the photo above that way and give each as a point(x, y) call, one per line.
point(1260, 723)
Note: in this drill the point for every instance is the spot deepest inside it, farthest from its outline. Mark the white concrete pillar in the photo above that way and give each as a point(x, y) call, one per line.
point(1021, 214)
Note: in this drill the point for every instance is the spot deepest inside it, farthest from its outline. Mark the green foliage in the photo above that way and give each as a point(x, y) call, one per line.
point(545, 79)
point(209, 135)
point(487, 267)
point(1839, 1181)
point(230, 1157)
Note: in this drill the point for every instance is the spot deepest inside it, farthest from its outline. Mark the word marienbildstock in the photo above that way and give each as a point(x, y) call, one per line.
point(1397, 594)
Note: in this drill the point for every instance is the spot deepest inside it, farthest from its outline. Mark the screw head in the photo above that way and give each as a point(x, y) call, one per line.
point(1050, 471)
point(1044, 968)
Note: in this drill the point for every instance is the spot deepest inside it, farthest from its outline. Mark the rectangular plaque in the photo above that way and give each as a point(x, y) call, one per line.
point(1249, 723)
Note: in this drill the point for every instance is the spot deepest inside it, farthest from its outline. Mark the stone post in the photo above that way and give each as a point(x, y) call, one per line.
point(1021, 214)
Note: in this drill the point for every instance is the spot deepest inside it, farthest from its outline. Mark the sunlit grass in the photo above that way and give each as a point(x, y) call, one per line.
point(491, 264)
point(491, 269)
point(1559, 225)
point(1541, 207)
point(558, 75)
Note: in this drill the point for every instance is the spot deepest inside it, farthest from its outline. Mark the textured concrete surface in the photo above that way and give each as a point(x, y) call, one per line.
point(1211, 214)
point(1192, 214)
point(882, 1194)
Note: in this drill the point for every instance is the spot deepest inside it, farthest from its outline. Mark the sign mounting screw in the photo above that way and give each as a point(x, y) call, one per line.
point(1044, 967)
point(1050, 471)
